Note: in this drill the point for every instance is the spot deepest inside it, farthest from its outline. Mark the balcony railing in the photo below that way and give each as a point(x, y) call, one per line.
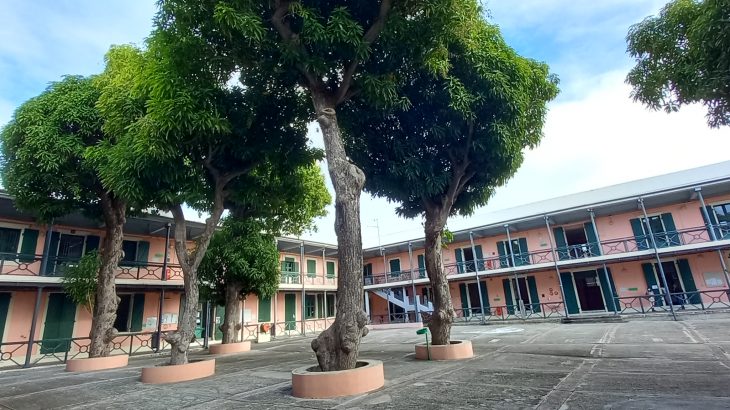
point(30, 265)
point(669, 239)
point(308, 279)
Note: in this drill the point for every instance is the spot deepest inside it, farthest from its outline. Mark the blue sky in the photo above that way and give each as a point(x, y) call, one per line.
point(594, 134)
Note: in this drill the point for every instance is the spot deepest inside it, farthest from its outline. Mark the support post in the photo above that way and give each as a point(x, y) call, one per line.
point(713, 236)
point(46, 249)
point(555, 263)
point(31, 336)
point(520, 304)
point(304, 292)
point(207, 327)
point(413, 282)
point(658, 258)
point(163, 276)
point(476, 274)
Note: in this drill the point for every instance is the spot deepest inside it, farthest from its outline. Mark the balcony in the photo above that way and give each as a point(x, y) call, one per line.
point(565, 255)
point(307, 279)
point(30, 265)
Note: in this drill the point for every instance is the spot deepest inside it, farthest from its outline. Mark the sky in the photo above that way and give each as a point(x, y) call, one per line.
point(594, 134)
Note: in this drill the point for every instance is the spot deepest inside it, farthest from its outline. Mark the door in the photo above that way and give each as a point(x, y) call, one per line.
point(70, 250)
point(59, 324)
point(264, 309)
point(290, 311)
point(589, 292)
point(4, 308)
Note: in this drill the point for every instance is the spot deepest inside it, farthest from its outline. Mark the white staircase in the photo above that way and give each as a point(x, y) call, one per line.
point(405, 302)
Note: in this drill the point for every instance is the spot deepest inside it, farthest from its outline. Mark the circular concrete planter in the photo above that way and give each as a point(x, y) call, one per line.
point(456, 350)
point(179, 372)
point(230, 348)
point(310, 383)
point(92, 364)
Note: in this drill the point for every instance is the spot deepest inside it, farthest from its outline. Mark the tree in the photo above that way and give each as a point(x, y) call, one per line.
point(192, 136)
point(682, 58)
point(321, 46)
point(243, 257)
point(475, 107)
point(52, 152)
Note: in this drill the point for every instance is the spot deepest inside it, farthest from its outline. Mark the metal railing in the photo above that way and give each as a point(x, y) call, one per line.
point(308, 279)
point(667, 239)
point(700, 300)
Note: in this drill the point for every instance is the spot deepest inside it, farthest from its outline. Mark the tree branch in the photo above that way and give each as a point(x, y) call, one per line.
point(181, 236)
point(281, 7)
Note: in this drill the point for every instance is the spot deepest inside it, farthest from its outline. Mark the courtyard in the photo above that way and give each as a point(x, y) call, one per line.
point(640, 363)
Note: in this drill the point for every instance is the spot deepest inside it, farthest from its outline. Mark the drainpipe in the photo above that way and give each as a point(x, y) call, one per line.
point(31, 336)
point(476, 273)
point(163, 276)
point(520, 304)
point(555, 263)
point(605, 268)
point(659, 260)
point(304, 292)
point(413, 282)
point(713, 236)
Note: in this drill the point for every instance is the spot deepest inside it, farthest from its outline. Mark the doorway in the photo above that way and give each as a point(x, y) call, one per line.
point(577, 242)
point(523, 295)
point(589, 292)
point(290, 311)
point(59, 324)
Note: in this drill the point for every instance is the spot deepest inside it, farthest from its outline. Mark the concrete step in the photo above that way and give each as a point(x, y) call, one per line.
point(593, 319)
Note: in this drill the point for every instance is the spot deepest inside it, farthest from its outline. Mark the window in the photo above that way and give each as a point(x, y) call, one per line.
point(310, 306)
point(9, 239)
point(311, 268)
point(367, 269)
point(289, 270)
point(519, 249)
point(720, 216)
point(130, 312)
point(330, 269)
point(421, 266)
point(331, 305)
point(662, 226)
point(129, 252)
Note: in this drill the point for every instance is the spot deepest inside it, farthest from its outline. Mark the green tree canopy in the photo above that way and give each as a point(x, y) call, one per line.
point(682, 58)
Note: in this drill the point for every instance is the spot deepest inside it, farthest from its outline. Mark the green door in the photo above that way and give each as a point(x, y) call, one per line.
point(264, 309)
point(290, 311)
point(4, 307)
point(59, 325)
point(571, 299)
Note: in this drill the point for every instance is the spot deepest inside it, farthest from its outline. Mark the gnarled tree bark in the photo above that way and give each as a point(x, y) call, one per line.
point(443, 316)
point(337, 347)
point(106, 301)
point(232, 322)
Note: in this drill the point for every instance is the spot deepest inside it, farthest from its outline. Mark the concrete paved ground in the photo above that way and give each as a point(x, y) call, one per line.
point(642, 364)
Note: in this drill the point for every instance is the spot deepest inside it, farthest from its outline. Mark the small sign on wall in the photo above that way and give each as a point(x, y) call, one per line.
point(714, 279)
point(150, 322)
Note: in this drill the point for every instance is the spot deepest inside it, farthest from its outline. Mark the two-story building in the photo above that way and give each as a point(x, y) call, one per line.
point(653, 245)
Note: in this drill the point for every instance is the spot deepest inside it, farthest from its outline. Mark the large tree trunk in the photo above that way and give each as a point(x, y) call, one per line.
point(106, 301)
point(337, 347)
point(189, 263)
point(443, 316)
point(232, 322)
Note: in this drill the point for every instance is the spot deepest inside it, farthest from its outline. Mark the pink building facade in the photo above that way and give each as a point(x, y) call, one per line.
point(658, 245)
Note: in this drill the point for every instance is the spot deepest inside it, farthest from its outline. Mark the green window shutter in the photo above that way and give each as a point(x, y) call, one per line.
point(459, 260)
point(137, 312)
point(264, 309)
point(571, 300)
point(508, 296)
point(593, 244)
point(485, 296)
point(92, 243)
point(712, 223)
point(320, 306)
point(534, 295)
point(52, 253)
point(143, 252)
point(311, 268)
point(9, 239)
point(672, 236)
point(503, 258)
point(394, 267)
point(611, 298)
point(331, 269)
point(479, 257)
point(688, 280)
point(309, 306)
point(651, 281)
point(4, 308)
point(642, 241)
point(29, 245)
point(59, 324)
point(464, 300)
point(422, 266)
point(560, 244)
point(524, 253)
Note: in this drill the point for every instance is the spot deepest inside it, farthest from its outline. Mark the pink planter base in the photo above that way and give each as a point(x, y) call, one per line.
point(309, 383)
point(92, 364)
point(457, 350)
point(178, 373)
point(230, 348)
